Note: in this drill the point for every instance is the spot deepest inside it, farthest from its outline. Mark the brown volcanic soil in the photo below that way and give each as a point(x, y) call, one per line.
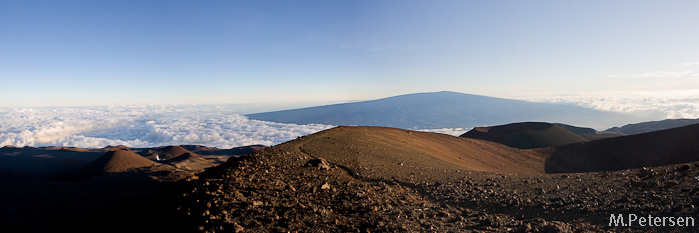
point(340, 180)
point(378, 152)
point(327, 182)
point(526, 135)
point(671, 146)
point(120, 160)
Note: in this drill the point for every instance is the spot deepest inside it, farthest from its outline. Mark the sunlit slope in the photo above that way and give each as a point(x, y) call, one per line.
point(671, 146)
point(380, 152)
point(526, 135)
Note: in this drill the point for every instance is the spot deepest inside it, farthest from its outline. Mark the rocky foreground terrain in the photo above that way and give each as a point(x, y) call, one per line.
point(323, 183)
point(43, 188)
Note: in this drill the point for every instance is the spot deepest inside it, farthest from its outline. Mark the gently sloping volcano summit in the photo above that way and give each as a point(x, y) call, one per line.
point(526, 135)
point(442, 110)
point(665, 147)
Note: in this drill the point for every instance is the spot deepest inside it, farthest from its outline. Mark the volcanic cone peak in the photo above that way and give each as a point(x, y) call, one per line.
point(119, 146)
point(116, 160)
point(186, 156)
point(171, 152)
point(198, 148)
point(119, 160)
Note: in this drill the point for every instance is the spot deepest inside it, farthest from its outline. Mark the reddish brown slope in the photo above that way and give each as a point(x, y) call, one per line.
point(672, 146)
point(119, 160)
point(169, 152)
point(387, 152)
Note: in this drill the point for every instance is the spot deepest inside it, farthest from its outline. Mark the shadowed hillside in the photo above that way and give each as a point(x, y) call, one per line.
point(645, 127)
point(442, 110)
point(166, 153)
point(527, 135)
point(671, 146)
point(242, 150)
point(36, 198)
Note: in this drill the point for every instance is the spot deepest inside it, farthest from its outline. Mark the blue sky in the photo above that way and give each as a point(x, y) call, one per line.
point(93, 53)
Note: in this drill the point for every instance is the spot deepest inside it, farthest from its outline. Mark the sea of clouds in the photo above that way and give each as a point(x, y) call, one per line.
point(661, 105)
point(147, 126)
point(152, 126)
point(141, 126)
point(450, 131)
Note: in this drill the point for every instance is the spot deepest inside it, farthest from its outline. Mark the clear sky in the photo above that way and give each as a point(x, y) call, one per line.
point(76, 53)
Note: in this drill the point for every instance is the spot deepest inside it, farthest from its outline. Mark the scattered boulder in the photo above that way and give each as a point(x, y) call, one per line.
point(318, 163)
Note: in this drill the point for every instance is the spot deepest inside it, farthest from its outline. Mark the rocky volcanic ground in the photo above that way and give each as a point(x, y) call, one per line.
point(285, 189)
point(373, 179)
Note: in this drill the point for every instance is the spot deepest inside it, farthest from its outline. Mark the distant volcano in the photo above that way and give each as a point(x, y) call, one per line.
point(444, 110)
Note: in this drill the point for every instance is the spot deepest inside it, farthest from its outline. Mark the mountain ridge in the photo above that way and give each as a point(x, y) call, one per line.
point(528, 135)
point(657, 148)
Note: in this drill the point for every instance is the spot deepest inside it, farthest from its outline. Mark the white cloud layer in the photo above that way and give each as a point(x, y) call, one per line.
point(663, 105)
point(659, 74)
point(151, 126)
point(690, 63)
point(142, 126)
point(449, 131)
